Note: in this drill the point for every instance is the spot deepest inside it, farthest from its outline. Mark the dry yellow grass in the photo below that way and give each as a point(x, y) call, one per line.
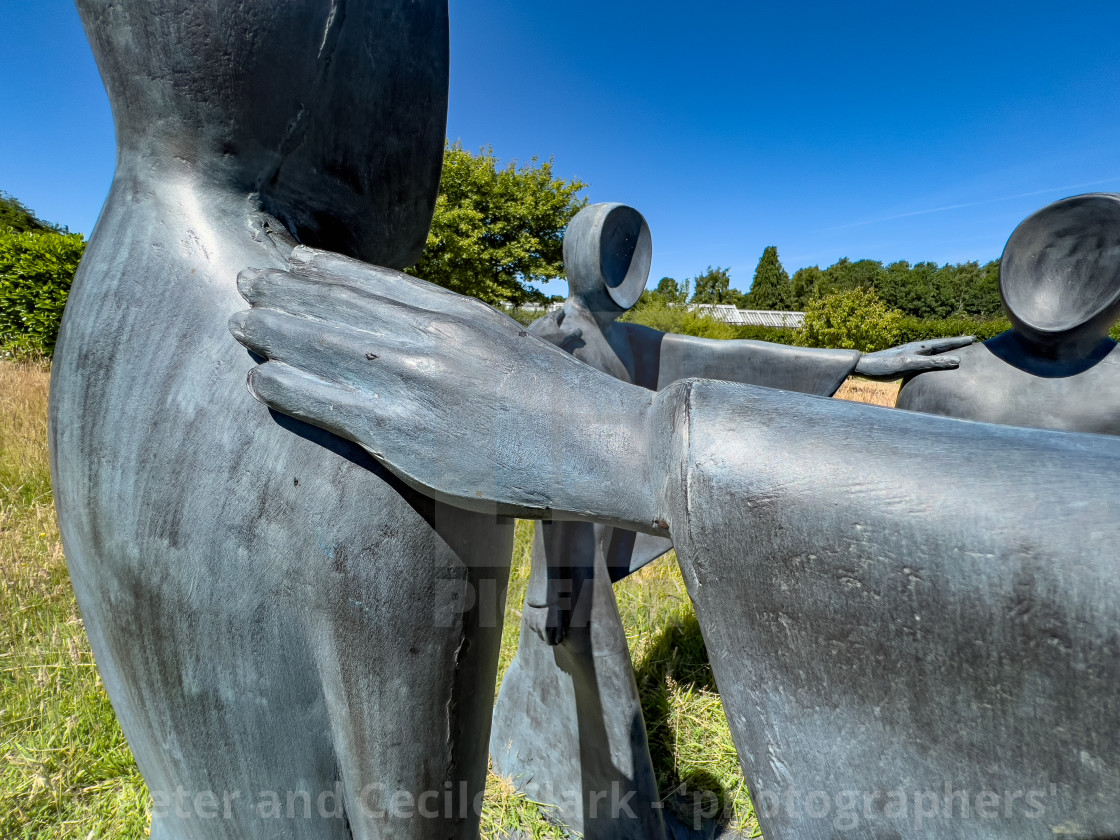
point(866, 391)
point(27, 522)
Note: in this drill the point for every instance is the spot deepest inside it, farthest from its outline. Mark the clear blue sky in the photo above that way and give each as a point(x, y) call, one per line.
point(882, 130)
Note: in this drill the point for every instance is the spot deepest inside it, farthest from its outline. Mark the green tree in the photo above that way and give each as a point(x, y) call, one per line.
point(976, 289)
point(771, 288)
point(497, 229)
point(852, 320)
point(671, 291)
point(845, 275)
point(36, 270)
point(714, 286)
point(927, 290)
point(804, 285)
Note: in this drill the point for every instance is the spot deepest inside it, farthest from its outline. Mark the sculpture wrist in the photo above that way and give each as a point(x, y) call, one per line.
point(618, 473)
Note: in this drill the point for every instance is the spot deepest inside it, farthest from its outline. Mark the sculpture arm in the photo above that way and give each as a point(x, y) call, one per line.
point(806, 370)
point(852, 606)
point(913, 358)
point(803, 369)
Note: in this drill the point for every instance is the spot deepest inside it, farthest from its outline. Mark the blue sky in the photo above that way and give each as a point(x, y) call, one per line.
point(881, 130)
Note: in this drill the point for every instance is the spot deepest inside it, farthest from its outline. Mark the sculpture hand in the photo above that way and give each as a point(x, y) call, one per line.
point(915, 357)
point(549, 623)
point(454, 397)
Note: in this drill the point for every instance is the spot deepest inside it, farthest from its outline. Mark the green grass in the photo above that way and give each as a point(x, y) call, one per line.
point(65, 769)
point(66, 772)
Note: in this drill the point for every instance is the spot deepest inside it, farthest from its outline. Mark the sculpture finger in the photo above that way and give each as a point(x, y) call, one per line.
point(333, 351)
point(542, 621)
point(389, 284)
point(325, 403)
point(385, 282)
point(285, 291)
point(943, 345)
point(917, 364)
point(411, 428)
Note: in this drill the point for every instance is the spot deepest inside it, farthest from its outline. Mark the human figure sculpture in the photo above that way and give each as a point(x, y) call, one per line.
point(568, 723)
point(273, 614)
point(923, 641)
point(1056, 368)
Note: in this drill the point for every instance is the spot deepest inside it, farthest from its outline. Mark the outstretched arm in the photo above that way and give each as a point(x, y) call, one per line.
point(803, 369)
point(912, 358)
point(806, 370)
point(460, 401)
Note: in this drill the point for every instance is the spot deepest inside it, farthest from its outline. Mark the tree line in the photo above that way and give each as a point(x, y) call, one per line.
point(921, 290)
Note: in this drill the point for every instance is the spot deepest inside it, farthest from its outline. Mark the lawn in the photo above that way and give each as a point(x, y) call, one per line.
point(65, 768)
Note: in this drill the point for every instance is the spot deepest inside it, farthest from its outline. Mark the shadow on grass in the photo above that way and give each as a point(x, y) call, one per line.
point(677, 665)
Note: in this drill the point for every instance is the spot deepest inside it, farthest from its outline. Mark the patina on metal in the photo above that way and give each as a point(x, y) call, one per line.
point(272, 612)
point(912, 620)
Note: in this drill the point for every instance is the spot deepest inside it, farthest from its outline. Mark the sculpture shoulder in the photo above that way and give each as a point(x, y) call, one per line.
point(942, 391)
point(575, 330)
point(992, 386)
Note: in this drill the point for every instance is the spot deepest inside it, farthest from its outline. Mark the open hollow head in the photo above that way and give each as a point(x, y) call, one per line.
point(608, 249)
point(1060, 271)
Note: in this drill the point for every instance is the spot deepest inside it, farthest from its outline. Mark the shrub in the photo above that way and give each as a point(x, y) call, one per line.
point(655, 312)
point(923, 329)
point(36, 270)
point(850, 320)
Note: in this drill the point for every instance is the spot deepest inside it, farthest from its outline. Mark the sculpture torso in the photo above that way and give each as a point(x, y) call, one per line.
point(997, 383)
point(244, 585)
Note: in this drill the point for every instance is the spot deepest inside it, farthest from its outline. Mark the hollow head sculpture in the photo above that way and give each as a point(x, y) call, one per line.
point(272, 613)
point(1056, 368)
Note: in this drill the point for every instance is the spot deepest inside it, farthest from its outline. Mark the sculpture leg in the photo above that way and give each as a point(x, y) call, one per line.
point(568, 725)
point(359, 711)
point(390, 688)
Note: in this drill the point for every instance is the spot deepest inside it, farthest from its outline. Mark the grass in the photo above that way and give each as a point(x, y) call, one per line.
point(65, 769)
point(862, 390)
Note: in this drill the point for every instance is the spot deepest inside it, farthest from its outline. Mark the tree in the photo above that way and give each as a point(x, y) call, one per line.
point(36, 270)
point(497, 230)
point(846, 275)
point(671, 291)
point(771, 288)
point(852, 320)
point(804, 285)
point(714, 286)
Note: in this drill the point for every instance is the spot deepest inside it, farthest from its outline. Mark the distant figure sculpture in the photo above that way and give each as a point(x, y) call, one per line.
point(568, 723)
point(1056, 368)
point(283, 627)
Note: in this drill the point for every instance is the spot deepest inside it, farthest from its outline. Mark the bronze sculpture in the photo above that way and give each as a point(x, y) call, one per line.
point(251, 587)
point(568, 721)
point(893, 653)
point(276, 610)
point(1056, 368)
